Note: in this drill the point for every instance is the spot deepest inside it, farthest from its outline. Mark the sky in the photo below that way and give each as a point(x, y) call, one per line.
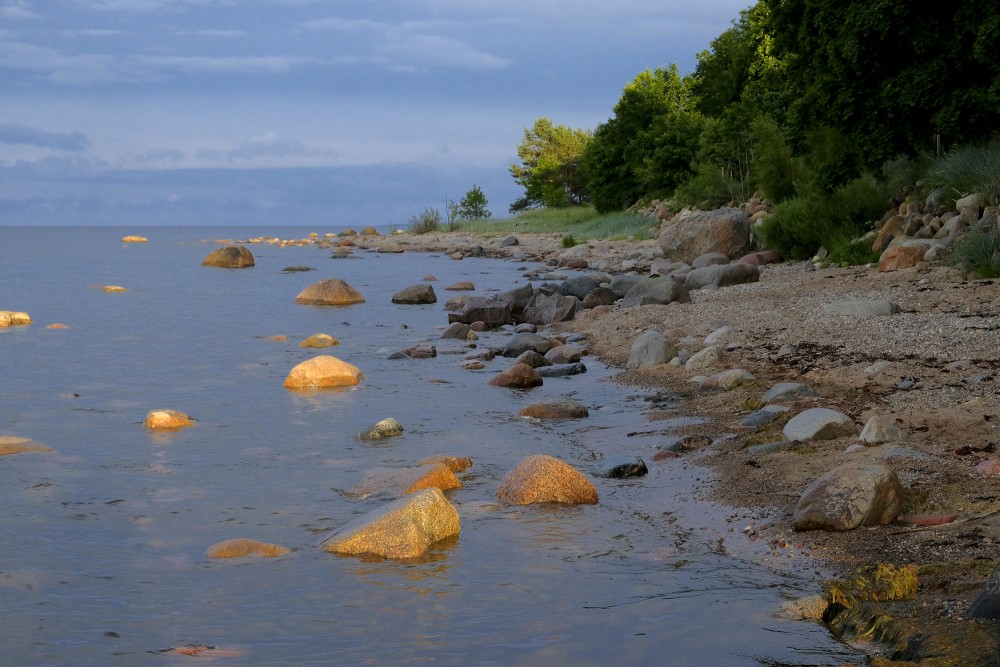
point(305, 112)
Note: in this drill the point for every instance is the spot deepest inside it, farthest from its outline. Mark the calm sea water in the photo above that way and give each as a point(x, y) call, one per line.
point(102, 545)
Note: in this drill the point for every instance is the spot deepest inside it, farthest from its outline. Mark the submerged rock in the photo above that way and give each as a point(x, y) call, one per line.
point(518, 376)
point(380, 430)
point(323, 372)
point(240, 547)
point(625, 470)
point(230, 257)
point(545, 479)
point(329, 292)
point(401, 481)
point(560, 409)
point(319, 340)
point(12, 444)
point(167, 420)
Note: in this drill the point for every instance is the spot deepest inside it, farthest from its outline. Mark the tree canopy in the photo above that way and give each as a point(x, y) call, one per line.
point(548, 172)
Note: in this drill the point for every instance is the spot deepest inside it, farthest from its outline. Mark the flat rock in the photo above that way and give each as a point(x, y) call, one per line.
point(404, 528)
point(418, 294)
point(131, 238)
point(329, 292)
point(819, 424)
point(724, 275)
point(520, 343)
point(12, 444)
point(460, 286)
point(545, 479)
point(241, 547)
point(559, 409)
point(167, 420)
point(786, 391)
point(861, 308)
point(764, 416)
point(848, 497)
point(655, 290)
point(319, 340)
point(561, 370)
point(397, 482)
point(323, 372)
point(881, 429)
point(13, 318)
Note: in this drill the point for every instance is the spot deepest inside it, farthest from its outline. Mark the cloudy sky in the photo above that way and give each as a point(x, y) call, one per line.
point(271, 112)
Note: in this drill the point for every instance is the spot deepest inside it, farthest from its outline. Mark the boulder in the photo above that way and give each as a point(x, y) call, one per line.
point(518, 298)
point(900, 257)
point(892, 228)
point(533, 359)
point(12, 444)
point(860, 308)
point(167, 420)
point(621, 284)
point(655, 290)
point(13, 318)
point(881, 429)
point(457, 331)
point(509, 241)
point(987, 603)
point(650, 349)
point(134, 239)
point(578, 286)
point(691, 234)
point(522, 342)
point(544, 479)
point(329, 292)
point(564, 354)
point(382, 429)
point(518, 376)
point(461, 286)
point(404, 528)
point(721, 275)
point(560, 409)
point(401, 481)
point(786, 391)
point(551, 308)
point(323, 372)
point(819, 424)
point(391, 247)
point(230, 257)
point(240, 547)
point(849, 497)
point(709, 259)
point(319, 340)
point(703, 359)
point(490, 312)
point(415, 295)
point(602, 296)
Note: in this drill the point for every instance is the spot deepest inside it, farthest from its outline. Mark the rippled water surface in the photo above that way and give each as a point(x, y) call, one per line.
point(103, 541)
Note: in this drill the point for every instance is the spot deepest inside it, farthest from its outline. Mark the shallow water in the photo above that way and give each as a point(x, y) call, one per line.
point(103, 540)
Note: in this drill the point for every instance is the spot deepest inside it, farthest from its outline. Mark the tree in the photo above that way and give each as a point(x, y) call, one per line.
point(550, 156)
point(473, 205)
point(648, 144)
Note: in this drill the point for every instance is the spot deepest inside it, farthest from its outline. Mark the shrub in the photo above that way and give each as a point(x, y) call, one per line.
point(428, 221)
point(568, 241)
point(852, 252)
point(797, 227)
point(774, 170)
point(978, 254)
point(967, 170)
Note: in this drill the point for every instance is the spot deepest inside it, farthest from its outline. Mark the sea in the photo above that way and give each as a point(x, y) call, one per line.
point(103, 539)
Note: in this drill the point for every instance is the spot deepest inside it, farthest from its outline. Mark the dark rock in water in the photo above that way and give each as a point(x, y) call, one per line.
point(689, 443)
point(624, 471)
point(549, 309)
point(517, 298)
point(230, 257)
point(415, 294)
point(987, 603)
point(399, 355)
point(561, 370)
point(522, 342)
point(490, 312)
point(578, 286)
point(297, 269)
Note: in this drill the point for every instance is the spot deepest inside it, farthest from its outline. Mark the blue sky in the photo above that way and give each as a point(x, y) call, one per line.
point(310, 112)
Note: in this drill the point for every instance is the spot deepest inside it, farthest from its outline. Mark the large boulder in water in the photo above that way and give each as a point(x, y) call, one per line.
point(691, 234)
point(550, 308)
point(404, 528)
point(415, 295)
point(323, 372)
point(490, 312)
point(545, 479)
point(848, 497)
point(230, 257)
point(520, 343)
point(329, 292)
point(167, 420)
point(656, 290)
point(518, 376)
point(398, 482)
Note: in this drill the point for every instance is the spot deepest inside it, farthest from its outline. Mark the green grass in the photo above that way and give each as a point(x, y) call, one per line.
point(583, 223)
point(969, 169)
point(978, 254)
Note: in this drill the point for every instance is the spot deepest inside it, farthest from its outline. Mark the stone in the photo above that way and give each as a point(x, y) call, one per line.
point(368, 231)
point(382, 429)
point(562, 370)
point(458, 331)
point(167, 420)
point(989, 467)
point(987, 602)
point(329, 292)
point(709, 259)
point(112, 289)
point(900, 257)
point(764, 416)
point(297, 269)
point(560, 409)
point(655, 290)
point(848, 497)
point(421, 351)
point(786, 391)
point(460, 286)
point(703, 359)
point(13, 318)
point(134, 239)
point(724, 275)
point(578, 286)
point(627, 470)
point(621, 284)
point(522, 342)
point(402, 481)
point(690, 234)
point(881, 429)
point(492, 313)
point(518, 298)
point(819, 424)
point(518, 376)
point(230, 257)
point(509, 241)
point(533, 359)
point(241, 547)
point(544, 479)
point(732, 378)
point(650, 349)
point(549, 309)
point(319, 340)
point(564, 354)
point(418, 294)
point(602, 296)
point(391, 247)
point(12, 444)
point(323, 372)
point(456, 464)
point(892, 228)
point(861, 308)
point(404, 528)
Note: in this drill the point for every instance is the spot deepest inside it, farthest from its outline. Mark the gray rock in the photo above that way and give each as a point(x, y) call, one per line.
point(544, 309)
point(621, 284)
point(457, 330)
point(517, 298)
point(848, 497)
point(522, 342)
point(987, 603)
point(509, 241)
point(491, 312)
point(786, 391)
point(690, 234)
point(861, 308)
point(881, 429)
point(380, 430)
point(650, 349)
point(533, 359)
point(562, 370)
point(769, 447)
point(564, 354)
point(703, 359)
point(709, 259)
point(578, 286)
point(525, 328)
point(602, 296)
point(819, 424)
point(415, 295)
point(655, 290)
point(764, 416)
point(902, 453)
point(724, 275)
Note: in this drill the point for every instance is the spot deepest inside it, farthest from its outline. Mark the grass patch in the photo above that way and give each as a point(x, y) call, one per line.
point(978, 254)
point(967, 170)
point(426, 222)
point(583, 223)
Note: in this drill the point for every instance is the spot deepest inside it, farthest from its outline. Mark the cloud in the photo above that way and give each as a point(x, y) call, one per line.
point(214, 33)
point(30, 136)
point(158, 157)
point(265, 147)
point(18, 12)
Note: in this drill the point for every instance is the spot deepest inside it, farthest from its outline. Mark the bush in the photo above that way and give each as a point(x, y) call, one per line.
point(568, 241)
point(797, 227)
point(967, 170)
point(774, 170)
point(978, 254)
point(428, 221)
point(852, 252)
point(711, 187)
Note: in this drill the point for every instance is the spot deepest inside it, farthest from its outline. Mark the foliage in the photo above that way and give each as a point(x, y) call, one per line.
point(775, 170)
point(647, 146)
point(967, 170)
point(978, 254)
point(582, 222)
point(473, 205)
point(548, 172)
point(852, 252)
point(428, 221)
point(568, 241)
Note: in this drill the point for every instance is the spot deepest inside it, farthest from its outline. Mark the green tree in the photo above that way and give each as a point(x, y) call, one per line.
point(548, 172)
point(473, 205)
point(647, 146)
